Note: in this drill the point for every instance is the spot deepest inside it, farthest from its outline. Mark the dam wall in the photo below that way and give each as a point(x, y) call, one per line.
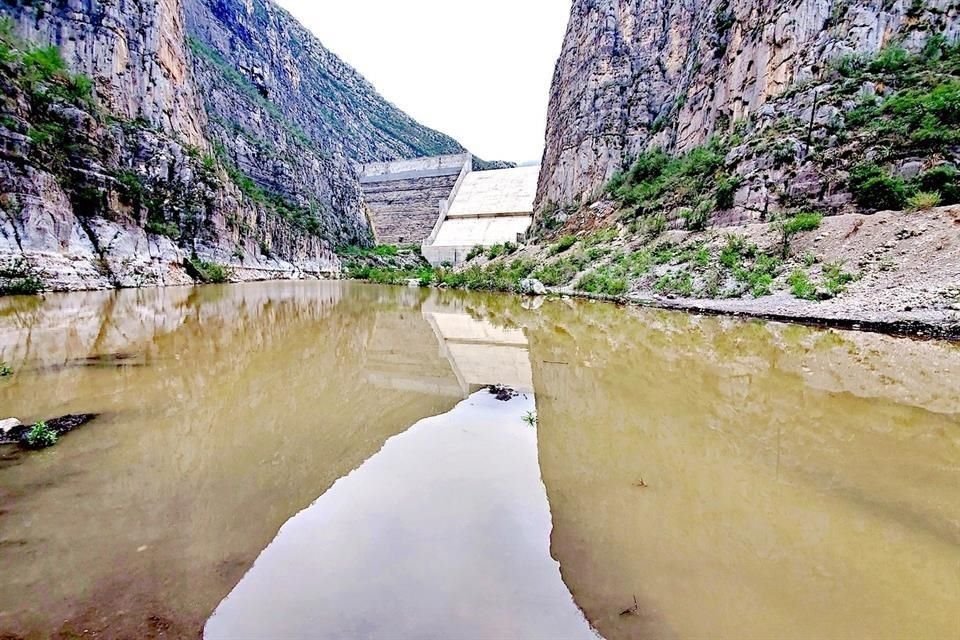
point(488, 208)
point(404, 198)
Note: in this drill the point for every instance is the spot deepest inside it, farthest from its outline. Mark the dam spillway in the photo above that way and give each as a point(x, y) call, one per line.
point(445, 206)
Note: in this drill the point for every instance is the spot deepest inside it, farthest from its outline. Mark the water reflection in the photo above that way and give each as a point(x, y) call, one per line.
point(254, 401)
point(712, 478)
point(706, 477)
point(443, 534)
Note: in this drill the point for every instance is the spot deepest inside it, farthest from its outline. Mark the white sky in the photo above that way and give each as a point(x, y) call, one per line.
point(477, 71)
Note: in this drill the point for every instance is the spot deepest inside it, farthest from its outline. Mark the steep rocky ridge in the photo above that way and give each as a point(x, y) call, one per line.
point(107, 179)
point(640, 74)
point(295, 76)
point(212, 131)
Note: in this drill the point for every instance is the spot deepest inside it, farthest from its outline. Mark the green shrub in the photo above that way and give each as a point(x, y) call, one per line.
point(943, 179)
point(5, 370)
point(495, 251)
point(760, 275)
point(696, 219)
point(835, 278)
point(601, 237)
point(803, 222)
point(636, 263)
point(475, 252)
point(726, 190)
point(19, 279)
point(40, 436)
point(874, 189)
point(558, 273)
point(208, 272)
point(162, 228)
point(655, 225)
point(923, 200)
point(604, 281)
point(679, 283)
point(564, 244)
point(736, 250)
point(800, 285)
point(386, 251)
point(889, 60)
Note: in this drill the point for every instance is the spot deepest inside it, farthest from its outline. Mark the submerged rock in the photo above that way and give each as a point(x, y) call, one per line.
point(503, 393)
point(8, 425)
point(16, 433)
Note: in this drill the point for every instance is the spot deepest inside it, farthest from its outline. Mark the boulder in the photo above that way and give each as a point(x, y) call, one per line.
point(532, 287)
point(8, 425)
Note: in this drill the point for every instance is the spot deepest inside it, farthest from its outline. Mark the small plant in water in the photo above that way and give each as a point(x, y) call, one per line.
point(530, 418)
point(5, 370)
point(40, 436)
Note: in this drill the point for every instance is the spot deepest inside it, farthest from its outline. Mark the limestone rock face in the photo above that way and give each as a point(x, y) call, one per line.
point(220, 129)
point(287, 74)
point(640, 73)
point(134, 49)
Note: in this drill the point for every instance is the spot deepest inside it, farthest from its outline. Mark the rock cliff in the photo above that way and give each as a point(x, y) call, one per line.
point(156, 138)
point(635, 75)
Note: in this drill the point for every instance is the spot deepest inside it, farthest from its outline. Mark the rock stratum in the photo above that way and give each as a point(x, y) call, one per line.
point(783, 78)
point(160, 141)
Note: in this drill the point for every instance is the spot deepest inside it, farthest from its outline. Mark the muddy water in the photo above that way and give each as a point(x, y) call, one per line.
point(315, 460)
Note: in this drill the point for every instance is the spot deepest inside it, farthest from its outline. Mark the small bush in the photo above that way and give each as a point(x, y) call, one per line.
point(475, 252)
point(726, 190)
point(5, 370)
point(890, 60)
point(208, 272)
point(386, 250)
point(40, 436)
point(835, 279)
point(873, 189)
point(800, 285)
point(558, 273)
point(923, 200)
point(736, 249)
point(680, 283)
point(759, 277)
point(803, 222)
point(655, 225)
point(604, 281)
point(161, 228)
point(696, 219)
point(564, 244)
point(495, 251)
point(19, 279)
point(943, 179)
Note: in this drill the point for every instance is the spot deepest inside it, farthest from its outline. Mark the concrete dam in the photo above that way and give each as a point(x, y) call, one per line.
point(446, 207)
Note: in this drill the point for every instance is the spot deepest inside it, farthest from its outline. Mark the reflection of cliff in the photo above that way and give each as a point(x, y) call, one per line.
point(238, 408)
point(780, 501)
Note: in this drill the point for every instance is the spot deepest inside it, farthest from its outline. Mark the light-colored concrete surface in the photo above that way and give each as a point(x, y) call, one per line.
point(488, 208)
point(471, 232)
point(399, 169)
point(499, 192)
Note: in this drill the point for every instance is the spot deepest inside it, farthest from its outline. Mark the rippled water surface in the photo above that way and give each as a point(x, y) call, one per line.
point(305, 460)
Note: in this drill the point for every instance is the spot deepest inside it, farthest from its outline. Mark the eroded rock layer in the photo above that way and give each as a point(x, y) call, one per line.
point(639, 74)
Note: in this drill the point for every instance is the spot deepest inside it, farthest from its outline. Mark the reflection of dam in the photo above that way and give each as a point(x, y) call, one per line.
point(461, 354)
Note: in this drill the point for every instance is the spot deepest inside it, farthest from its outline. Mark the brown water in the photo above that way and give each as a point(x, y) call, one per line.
point(315, 460)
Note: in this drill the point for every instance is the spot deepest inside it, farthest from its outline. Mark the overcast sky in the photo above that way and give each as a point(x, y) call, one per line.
point(478, 71)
